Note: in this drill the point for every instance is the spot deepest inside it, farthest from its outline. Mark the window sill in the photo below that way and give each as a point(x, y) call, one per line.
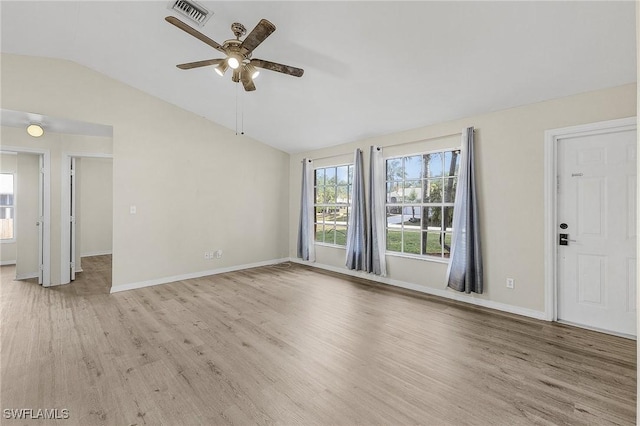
point(418, 257)
point(12, 240)
point(330, 245)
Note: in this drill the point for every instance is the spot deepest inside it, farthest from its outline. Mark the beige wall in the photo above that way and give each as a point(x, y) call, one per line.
point(195, 184)
point(27, 215)
point(96, 205)
point(510, 152)
point(8, 164)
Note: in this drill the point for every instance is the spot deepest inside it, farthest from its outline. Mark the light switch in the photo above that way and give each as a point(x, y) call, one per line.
point(132, 209)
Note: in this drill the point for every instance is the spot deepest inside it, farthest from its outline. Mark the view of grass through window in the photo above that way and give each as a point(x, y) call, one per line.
point(420, 196)
point(332, 199)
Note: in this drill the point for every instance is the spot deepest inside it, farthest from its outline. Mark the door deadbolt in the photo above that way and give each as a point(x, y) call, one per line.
point(564, 239)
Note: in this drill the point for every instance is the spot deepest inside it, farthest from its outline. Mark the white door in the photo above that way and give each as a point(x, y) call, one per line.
point(40, 223)
point(597, 215)
point(72, 220)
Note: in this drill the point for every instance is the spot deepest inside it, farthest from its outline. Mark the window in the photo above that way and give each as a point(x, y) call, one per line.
point(7, 207)
point(332, 199)
point(420, 195)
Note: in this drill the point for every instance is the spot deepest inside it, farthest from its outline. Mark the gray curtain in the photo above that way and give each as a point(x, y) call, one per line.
point(376, 231)
point(306, 247)
point(357, 227)
point(465, 265)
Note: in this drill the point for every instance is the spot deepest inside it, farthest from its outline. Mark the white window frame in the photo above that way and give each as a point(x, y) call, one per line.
point(14, 238)
point(420, 205)
point(346, 205)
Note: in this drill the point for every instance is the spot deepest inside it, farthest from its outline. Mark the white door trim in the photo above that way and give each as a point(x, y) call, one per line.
point(72, 213)
point(46, 155)
point(65, 199)
point(41, 181)
point(551, 138)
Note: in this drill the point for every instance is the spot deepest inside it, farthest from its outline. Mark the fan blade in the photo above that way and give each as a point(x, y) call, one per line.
point(257, 36)
point(285, 69)
point(247, 81)
point(197, 34)
point(199, 64)
point(248, 85)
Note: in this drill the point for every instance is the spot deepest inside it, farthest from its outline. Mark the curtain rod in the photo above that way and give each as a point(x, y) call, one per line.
point(332, 156)
point(424, 140)
point(391, 146)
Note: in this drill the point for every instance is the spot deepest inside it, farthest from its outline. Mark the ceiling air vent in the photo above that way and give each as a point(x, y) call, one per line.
point(191, 10)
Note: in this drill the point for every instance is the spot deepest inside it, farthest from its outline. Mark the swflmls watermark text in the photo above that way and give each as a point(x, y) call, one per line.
point(35, 413)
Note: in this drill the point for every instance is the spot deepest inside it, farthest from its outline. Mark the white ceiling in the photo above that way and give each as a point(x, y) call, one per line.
point(371, 68)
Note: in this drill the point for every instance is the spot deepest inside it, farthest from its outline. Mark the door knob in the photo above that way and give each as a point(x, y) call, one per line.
point(564, 240)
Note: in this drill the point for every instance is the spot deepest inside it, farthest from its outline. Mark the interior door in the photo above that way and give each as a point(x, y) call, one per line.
point(72, 219)
point(597, 231)
point(40, 223)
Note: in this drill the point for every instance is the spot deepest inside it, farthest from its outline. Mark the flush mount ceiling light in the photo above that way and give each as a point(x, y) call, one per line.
point(35, 130)
point(238, 53)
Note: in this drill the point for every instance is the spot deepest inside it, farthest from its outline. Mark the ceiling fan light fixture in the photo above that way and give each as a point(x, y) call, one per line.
point(35, 130)
point(237, 53)
point(233, 62)
point(221, 68)
point(252, 71)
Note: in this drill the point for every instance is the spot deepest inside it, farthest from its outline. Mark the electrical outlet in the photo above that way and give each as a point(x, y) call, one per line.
point(511, 283)
point(218, 254)
point(207, 255)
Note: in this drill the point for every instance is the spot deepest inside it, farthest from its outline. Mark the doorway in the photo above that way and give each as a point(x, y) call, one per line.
point(591, 226)
point(27, 209)
point(87, 221)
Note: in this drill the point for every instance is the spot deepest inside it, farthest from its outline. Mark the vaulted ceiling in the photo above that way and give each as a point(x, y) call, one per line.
point(371, 67)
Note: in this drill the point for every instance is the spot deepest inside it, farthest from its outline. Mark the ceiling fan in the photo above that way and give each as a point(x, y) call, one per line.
point(238, 53)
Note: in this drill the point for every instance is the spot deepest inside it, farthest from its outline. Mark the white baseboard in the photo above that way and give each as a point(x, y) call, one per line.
point(448, 294)
point(7, 262)
point(165, 280)
point(26, 276)
point(78, 270)
point(96, 253)
point(599, 330)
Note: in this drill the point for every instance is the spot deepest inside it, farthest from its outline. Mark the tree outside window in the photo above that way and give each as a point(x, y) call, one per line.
point(332, 199)
point(420, 197)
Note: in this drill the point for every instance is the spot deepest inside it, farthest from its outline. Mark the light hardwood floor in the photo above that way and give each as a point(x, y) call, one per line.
point(293, 345)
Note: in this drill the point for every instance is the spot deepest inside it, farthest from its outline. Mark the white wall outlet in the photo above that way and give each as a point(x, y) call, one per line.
point(218, 254)
point(132, 209)
point(511, 283)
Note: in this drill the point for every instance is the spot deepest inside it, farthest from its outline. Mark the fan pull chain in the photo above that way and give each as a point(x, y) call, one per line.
point(236, 109)
point(241, 101)
point(242, 113)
